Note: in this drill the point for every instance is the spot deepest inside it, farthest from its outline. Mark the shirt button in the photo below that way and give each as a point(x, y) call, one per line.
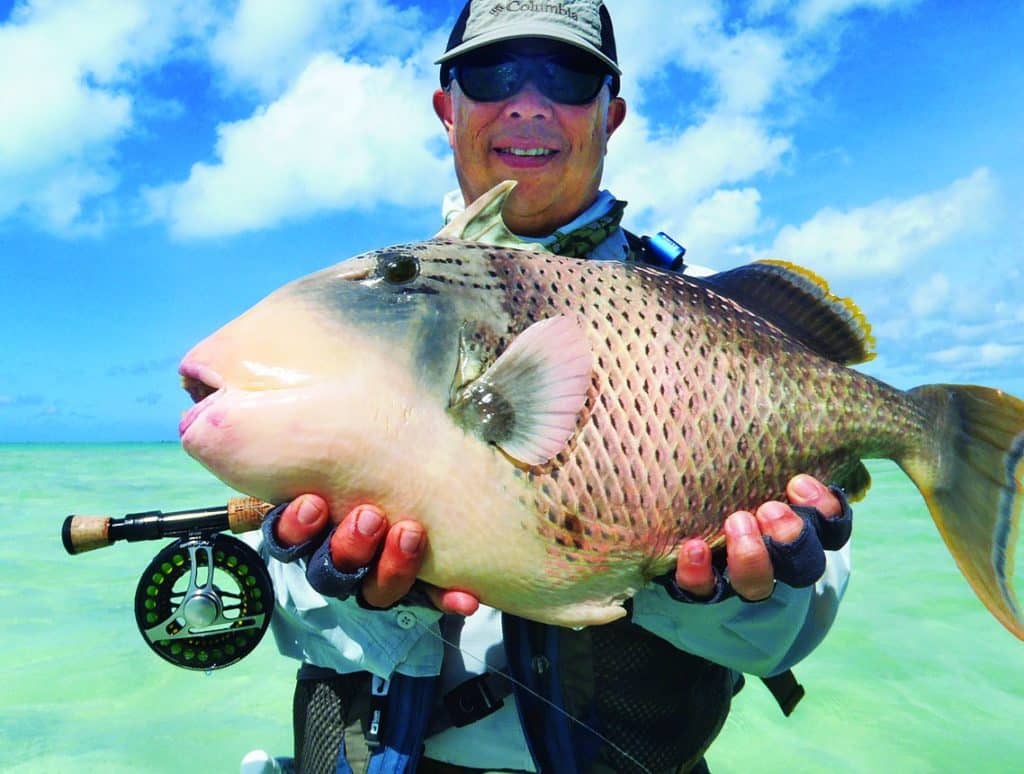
point(405, 619)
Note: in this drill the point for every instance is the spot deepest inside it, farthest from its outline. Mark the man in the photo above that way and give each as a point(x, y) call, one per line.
point(530, 93)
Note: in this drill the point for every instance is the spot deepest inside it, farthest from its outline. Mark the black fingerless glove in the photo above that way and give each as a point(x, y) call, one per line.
point(798, 564)
point(321, 573)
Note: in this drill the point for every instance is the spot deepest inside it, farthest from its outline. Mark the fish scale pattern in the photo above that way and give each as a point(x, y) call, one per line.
point(697, 407)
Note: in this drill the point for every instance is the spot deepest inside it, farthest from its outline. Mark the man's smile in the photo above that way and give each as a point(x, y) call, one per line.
point(524, 154)
point(527, 151)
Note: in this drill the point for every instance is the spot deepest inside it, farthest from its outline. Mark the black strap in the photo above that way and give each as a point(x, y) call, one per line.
point(784, 687)
point(470, 701)
point(786, 690)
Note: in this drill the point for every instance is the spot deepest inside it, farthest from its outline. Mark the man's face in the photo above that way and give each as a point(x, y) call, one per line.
point(554, 151)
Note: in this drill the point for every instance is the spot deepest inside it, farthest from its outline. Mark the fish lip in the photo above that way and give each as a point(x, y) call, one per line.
point(190, 416)
point(198, 378)
point(202, 373)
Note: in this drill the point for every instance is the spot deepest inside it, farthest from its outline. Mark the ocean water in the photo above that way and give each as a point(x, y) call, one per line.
point(915, 676)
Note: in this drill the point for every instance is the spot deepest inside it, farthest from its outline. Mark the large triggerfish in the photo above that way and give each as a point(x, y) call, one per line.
point(560, 426)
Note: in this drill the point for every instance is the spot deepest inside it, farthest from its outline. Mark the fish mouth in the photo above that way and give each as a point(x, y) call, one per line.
point(203, 385)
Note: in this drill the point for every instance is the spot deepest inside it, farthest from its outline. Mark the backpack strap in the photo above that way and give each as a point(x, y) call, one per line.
point(401, 707)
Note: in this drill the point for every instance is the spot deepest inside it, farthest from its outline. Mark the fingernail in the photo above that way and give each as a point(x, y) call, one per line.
point(695, 553)
point(308, 512)
point(773, 510)
point(368, 522)
point(742, 524)
point(410, 541)
point(806, 487)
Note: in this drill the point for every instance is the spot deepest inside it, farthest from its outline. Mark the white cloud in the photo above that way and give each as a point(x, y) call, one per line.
point(267, 43)
point(750, 67)
point(744, 67)
point(65, 72)
point(684, 178)
point(718, 220)
point(347, 135)
point(345, 120)
point(930, 296)
point(814, 13)
point(986, 355)
point(674, 182)
point(887, 236)
point(655, 34)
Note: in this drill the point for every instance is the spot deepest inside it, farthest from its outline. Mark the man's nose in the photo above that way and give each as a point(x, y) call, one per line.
point(528, 103)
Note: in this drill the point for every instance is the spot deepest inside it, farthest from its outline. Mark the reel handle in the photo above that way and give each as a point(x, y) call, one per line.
point(87, 533)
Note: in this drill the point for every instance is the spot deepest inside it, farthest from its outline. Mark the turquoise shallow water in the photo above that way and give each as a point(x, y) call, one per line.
point(915, 677)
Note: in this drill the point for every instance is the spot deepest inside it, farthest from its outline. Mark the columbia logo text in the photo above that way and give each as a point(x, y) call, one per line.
point(529, 6)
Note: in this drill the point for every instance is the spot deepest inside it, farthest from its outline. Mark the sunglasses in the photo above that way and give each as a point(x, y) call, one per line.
point(563, 79)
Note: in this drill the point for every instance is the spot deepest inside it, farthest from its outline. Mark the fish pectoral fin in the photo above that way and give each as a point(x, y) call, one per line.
point(529, 401)
point(799, 302)
point(472, 356)
point(481, 221)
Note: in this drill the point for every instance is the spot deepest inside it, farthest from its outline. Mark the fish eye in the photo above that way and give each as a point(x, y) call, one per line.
point(397, 268)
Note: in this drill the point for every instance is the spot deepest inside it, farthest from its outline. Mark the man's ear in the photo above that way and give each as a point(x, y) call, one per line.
point(616, 113)
point(443, 108)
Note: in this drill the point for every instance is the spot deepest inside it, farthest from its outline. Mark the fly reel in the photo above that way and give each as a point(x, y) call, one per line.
point(205, 600)
point(204, 604)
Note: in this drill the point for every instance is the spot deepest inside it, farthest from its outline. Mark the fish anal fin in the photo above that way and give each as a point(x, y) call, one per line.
point(528, 402)
point(800, 303)
point(853, 478)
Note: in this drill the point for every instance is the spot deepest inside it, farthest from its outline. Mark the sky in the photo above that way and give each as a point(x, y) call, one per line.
point(163, 166)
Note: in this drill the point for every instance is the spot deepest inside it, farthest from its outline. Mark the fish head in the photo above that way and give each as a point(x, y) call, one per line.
point(319, 385)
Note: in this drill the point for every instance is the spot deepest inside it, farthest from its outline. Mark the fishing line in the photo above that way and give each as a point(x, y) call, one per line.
point(536, 695)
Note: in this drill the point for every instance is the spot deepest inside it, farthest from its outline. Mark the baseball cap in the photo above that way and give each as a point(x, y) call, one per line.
point(584, 24)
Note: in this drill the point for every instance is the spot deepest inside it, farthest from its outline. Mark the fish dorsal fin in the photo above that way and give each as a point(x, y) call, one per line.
point(481, 221)
point(529, 401)
point(800, 303)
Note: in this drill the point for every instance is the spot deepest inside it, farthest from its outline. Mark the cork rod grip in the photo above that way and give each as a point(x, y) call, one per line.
point(85, 533)
point(246, 513)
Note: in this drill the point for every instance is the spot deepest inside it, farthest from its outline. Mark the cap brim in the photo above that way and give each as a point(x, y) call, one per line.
point(529, 31)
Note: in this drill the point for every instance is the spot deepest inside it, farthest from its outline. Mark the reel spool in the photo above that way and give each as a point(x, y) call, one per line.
point(204, 602)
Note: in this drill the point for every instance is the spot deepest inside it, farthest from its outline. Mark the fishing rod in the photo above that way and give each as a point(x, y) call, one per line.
point(205, 600)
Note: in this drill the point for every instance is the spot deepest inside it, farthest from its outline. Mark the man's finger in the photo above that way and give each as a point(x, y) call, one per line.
point(399, 563)
point(808, 491)
point(694, 573)
point(452, 601)
point(779, 522)
point(793, 544)
point(301, 520)
point(750, 567)
point(826, 509)
point(357, 538)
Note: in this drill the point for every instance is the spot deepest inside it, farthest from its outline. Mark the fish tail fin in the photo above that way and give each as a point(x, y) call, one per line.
point(970, 475)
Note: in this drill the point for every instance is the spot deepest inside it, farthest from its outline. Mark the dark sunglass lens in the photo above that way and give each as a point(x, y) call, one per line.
point(569, 85)
point(567, 80)
point(489, 82)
